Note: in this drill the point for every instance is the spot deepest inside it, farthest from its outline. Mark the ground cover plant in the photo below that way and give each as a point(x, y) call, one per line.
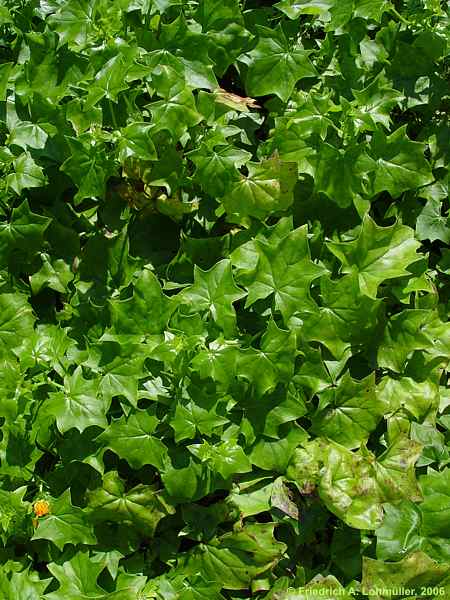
point(224, 292)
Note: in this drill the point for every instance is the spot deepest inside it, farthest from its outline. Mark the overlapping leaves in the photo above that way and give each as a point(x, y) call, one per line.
point(224, 267)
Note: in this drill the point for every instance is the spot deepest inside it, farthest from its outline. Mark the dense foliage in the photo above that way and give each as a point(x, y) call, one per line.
point(224, 290)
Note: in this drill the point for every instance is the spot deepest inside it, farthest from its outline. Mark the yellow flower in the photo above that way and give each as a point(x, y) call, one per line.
point(41, 508)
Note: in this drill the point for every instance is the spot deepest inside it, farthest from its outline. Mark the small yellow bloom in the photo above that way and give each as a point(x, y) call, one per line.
point(41, 508)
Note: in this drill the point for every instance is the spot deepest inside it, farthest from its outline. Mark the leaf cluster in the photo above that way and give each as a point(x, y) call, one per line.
point(224, 294)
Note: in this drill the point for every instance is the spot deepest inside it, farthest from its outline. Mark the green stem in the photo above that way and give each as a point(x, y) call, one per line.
point(113, 114)
point(147, 19)
point(255, 337)
point(400, 17)
point(130, 107)
point(158, 29)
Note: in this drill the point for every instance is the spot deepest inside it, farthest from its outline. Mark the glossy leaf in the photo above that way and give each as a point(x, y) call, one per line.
point(400, 163)
point(237, 557)
point(275, 66)
point(132, 440)
point(146, 312)
point(141, 507)
point(79, 405)
point(27, 174)
point(224, 334)
point(415, 571)
point(349, 412)
point(215, 291)
point(377, 254)
point(16, 322)
point(267, 189)
point(65, 524)
point(283, 268)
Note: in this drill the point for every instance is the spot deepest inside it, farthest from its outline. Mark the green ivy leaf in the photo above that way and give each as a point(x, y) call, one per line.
point(413, 572)
point(411, 330)
point(73, 22)
point(227, 458)
point(142, 507)
point(431, 224)
point(374, 103)
point(294, 8)
point(88, 167)
point(367, 9)
point(217, 167)
point(274, 455)
point(14, 514)
point(28, 135)
point(212, 13)
point(24, 230)
point(56, 276)
point(22, 584)
point(146, 312)
point(346, 318)
point(377, 254)
point(400, 163)
point(136, 142)
point(65, 524)
point(283, 268)
point(27, 174)
point(16, 323)
point(131, 438)
point(272, 363)
point(177, 112)
point(349, 412)
point(110, 80)
point(275, 65)
point(435, 508)
point(419, 399)
point(234, 559)
point(340, 174)
point(204, 415)
point(267, 189)
point(77, 578)
point(5, 69)
point(398, 535)
point(252, 497)
point(215, 291)
point(79, 405)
